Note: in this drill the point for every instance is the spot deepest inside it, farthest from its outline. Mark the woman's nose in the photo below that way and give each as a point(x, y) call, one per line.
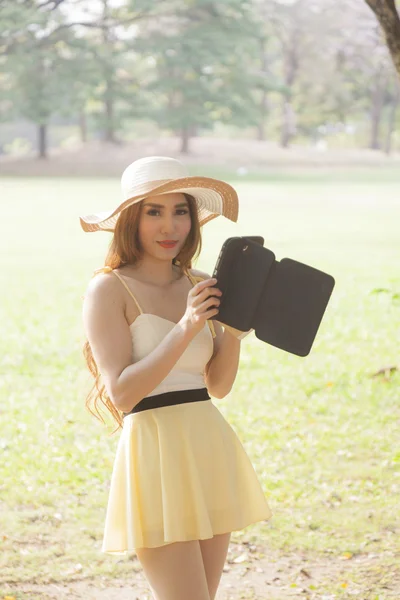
point(168, 223)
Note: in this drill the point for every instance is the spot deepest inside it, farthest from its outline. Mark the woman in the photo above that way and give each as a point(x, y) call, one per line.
point(181, 481)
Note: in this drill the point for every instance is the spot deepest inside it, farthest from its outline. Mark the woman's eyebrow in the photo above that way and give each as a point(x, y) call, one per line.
point(154, 205)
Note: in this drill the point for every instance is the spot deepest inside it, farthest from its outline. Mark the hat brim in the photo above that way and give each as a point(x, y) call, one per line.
point(213, 198)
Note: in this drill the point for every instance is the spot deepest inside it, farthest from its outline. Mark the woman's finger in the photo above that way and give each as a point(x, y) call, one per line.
point(210, 303)
point(210, 313)
point(199, 287)
point(208, 292)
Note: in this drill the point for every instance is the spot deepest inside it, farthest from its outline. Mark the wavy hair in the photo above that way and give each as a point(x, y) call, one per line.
point(125, 249)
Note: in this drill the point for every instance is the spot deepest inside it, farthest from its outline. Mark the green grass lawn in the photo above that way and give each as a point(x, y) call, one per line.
point(322, 433)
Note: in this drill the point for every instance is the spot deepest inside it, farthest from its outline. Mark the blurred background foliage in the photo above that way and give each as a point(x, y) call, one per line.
point(315, 72)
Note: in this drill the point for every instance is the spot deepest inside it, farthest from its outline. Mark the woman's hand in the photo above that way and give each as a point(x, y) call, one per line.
point(202, 304)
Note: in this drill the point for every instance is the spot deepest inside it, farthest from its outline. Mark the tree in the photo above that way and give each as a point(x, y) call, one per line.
point(106, 40)
point(202, 54)
point(48, 74)
point(295, 30)
point(59, 63)
point(41, 71)
point(389, 18)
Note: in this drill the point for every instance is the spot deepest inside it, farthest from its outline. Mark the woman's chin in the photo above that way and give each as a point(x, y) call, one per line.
point(164, 255)
point(168, 252)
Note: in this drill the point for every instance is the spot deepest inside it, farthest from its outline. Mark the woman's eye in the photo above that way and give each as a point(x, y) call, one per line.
point(154, 212)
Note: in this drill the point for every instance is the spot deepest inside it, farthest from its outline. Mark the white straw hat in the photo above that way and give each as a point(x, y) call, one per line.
point(156, 175)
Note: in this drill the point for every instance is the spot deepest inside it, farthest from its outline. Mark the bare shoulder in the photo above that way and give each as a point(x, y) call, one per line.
point(103, 295)
point(102, 286)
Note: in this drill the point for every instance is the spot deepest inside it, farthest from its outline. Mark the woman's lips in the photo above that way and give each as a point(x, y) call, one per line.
point(167, 244)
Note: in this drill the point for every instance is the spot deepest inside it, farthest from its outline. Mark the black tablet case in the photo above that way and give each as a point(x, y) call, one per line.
point(283, 301)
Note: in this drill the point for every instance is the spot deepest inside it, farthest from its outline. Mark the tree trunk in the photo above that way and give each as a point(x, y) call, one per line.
point(83, 126)
point(288, 123)
point(261, 131)
point(109, 113)
point(263, 111)
point(264, 95)
point(109, 133)
point(376, 110)
point(389, 19)
point(42, 141)
point(185, 137)
point(392, 120)
point(291, 69)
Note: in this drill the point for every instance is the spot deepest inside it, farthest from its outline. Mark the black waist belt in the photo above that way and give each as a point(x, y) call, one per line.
point(169, 398)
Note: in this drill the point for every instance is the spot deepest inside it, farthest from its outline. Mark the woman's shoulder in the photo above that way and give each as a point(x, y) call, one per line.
point(103, 282)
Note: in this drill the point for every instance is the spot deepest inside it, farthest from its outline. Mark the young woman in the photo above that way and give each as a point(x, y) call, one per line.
point(181, 481)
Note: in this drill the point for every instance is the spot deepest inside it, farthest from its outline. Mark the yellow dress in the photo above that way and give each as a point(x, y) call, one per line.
point(180, 471)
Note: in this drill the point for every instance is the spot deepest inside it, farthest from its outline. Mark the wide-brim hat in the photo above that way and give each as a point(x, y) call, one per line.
point(156, 175)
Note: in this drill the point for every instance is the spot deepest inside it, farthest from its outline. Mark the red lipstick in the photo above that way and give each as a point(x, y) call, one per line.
point(168, 243)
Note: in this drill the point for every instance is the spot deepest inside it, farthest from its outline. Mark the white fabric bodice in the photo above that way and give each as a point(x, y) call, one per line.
point(148, 331)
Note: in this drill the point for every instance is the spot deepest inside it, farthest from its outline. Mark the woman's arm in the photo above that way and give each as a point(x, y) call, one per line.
point(221, 369)
point(110, 339)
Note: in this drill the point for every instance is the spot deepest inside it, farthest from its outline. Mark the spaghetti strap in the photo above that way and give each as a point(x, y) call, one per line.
point(128, 290)
point(192, 278)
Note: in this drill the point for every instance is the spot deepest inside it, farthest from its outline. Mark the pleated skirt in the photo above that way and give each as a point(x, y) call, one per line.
point(180, 473)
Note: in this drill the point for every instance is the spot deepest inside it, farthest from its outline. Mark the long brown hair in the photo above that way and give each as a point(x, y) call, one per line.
point(125, 249)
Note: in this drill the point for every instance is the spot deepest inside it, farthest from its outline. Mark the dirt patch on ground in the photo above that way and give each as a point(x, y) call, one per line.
point(250, 572)
point(105, 159)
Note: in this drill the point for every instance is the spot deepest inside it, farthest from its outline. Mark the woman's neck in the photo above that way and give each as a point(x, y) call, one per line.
point(159, 275)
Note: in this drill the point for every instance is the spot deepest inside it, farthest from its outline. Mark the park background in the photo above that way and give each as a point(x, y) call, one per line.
point(296, 104)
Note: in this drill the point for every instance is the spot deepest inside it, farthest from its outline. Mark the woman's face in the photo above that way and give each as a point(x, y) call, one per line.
point(164, 218)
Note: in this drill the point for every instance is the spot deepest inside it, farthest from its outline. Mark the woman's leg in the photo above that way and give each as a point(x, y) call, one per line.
point(175, 571)
point(214, 552)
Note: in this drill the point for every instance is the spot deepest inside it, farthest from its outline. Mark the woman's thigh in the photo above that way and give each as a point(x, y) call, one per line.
point(175, 571)
point(214, 552)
